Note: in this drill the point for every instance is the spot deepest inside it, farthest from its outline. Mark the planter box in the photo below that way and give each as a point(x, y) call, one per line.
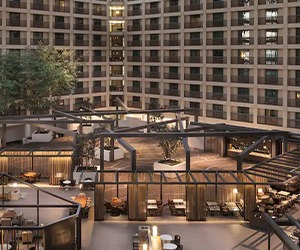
point(118, 154)
point(86, 174)
point(164, 167)
point(40, 137)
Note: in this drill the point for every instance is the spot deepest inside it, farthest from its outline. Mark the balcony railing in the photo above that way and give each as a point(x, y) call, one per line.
point(193, 94)
point(82, 58)
point(114, 88)
point(78, 91)
point(16, 4)
point(36, 41)
point(216, 96)
point(268, 2)
point(239, 60)
point(292, 123)
point(242, 41)
point(216, 41)
point(270, 20)
point(193, 59)
point(216, 114)
point(134, 89)
point(294, 60)
point(192, 112)
point(133, 104)
point(241, 117)
point(172, 92)
point(98, 89)
point(216, 5)
point(275, 121)
point(293, 81)
point(152, 74)
point(82, 74)
point(216, 23)
point(241, 3)
point(216, 59)
point(270, 80)
point(294, 40)
point(99, 104)
point(99, 58)
point(168, 26)
point(81, 10)
point(242, 21)
point(134, 43)
point(16, 22)
point(152, 26)
point(216, 78)
point(269, 100)
point(171, 42)
point(39, 24)
point(270, 40)
point(63, 107)
point(152, 58)
point(193, 77)
point(172, 75)
point(99, 43)
point(192, 7)
point(61, 25)
point(152, 42)
point(134, 27)
point(270, 60)
point(193, 25)
point(134, 58)
point(169, 9)
point(152, 11)
point(192, 42)
point(294, 103)
point(134, 74)
point(174, 59)
point(153, 91)
point(242, 79)
point(241, 98)
point(134, 12)
point(294, 19)
point(79, 26)
point(39, 6)
point(99, 12)
point(81, 42)
point(98, 73)
point(97, 27)
point(59, 8)
point(16, 41)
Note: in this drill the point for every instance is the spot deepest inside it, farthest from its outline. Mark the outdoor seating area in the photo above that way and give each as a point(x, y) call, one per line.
point(85, 203)
point(177, 207)
point(116, 206)
point(30, 176)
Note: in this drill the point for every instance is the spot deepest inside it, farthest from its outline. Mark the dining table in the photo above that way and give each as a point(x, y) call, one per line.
point(169, 246)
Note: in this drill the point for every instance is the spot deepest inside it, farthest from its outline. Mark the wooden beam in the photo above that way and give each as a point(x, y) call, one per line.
point(75, 118)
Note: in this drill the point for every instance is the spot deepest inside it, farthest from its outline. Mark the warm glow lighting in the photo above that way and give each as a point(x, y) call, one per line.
point(235, 191)
point(260, 190)
point(80, 186)
point(154, 231)
point(15, 184)
point(145, 246)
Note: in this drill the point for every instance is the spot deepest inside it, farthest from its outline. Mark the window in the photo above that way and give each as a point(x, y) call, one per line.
point(271, 36)
point(194, 53)
point(194, 2)
point(244, 36)
point(59, 36)
point(79, 21)
point(97, 53)
point(195, 35)
point(173, 2)
point(272, 93)
point(173, 69)
point(174, 37)
point(271, 73)
point(271, 56)
point(96, 37)
point(173, 19)
point(271, 113)
point(173, 103)
point(173, 86)
point(154, 69)
point(194, 88)
point(97, 68)
point(37, 36)
point(218, 53)
point(136, 84)
point(218, 89)
point(97, 99)
point(271, 16)
point(218, 16)
point(154, 37)
point(173, 53)
point(218, 35)
point(59, 19)
point(218, 107)
point(136, 99)
point(297, 116)
point(195, 70)
point(136, 37)
point(195, 18)
point(244, 56)
point(154, 5)
point(14, 16)
point(96, 83)
point(218, 71)
point(243, 110)
point(136, 53)
point(154, 21)
point(136, 7)
point(79, 5)
point(154, 101)
point(243, 91)
point(78, 37)
point(244, 17)
point(243, 72)
point(154, 53)
point(136, 22)
point(37, 18)
point(136, 68)
point(154, 85)
point(195, 105)
point(297, 74)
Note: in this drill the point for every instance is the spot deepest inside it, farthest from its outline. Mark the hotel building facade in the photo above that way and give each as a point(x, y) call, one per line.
point(236, 61)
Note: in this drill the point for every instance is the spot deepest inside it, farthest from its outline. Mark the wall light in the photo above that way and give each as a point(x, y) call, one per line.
point(145, 246)
point(154, 231)
point(235, 191)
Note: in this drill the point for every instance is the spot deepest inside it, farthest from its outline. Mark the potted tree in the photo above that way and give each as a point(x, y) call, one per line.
point(169, 147)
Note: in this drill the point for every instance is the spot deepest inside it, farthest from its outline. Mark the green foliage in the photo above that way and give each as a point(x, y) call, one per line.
point(84, 147)
point(169, 145)
point(35, 78)
point(153, 117)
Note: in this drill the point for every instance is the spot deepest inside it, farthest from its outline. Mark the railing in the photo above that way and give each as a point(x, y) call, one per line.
point(16, 41)
point(241, 117)
point(39, 24)
point(172, 26)
point(294, 103)
point(275, 121)
point(133, 104)
point(152, 11)
point(152, 58)
point(294, 19)
point(172, 92)
point(242, 22)
point(172, 75)
point(134, 27)
point(134, 89)
point(169, 9)
point(154, 91)
point(270, 40)
point(216, 23)
point(193, 59)
point(270, 20)
point(241, 98)
point(174, 59)
point(293, 81)
point(192, 42)
point(242, 41)
point(216, 78)
point(242, 79)
point(36, 41)
point(193, 94)
point(152, 26)
point(216, 59)
point(59, 8)
point(193, 77)
point(99, 59)
point(239, 60)
point(134, 12)
point(294, 40)
point(134, 43)
point(99, 104)
point(81, 10)
point(216, 114)
point(61, 25)
point(269, 100)
point(216, 5)
point(241, 3)
point(172, 42)
point(216, 96)
point(16, 4)
point(292, 123)
point(39, 6)
point(294, 60)
point(99, 74)
point(134, 58)
point(134, 74)
point(16, 22)
point(216, 41)
point(270, 80)
point(81, 42)
point(191, 7)
point(81, 91)
point(80, 26)
point(270, 60)
point(193, 25)
point(97, 89)
point(152, 74)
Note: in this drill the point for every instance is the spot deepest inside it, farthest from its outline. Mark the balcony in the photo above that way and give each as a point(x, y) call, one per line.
point(134, 12)
point(16, 4)
point(241, 117)
point(172, 92)
point(63, 107)
point(192, 77)
point(294, 40)
point(240, 60)
point(216, 114)
point(99, 104)
point(134, 89)
point(171, 42)
point(242, 41)
point(294, 103)
point(216, 5)
point(81, 42)
point(80, 26)
point(36, 41)
point(82, 74)
point(152, 26)
point(216, 78)
point(116, 73)
point(193, 59)
point(216, 96)
point(241, 3)
point(98, 89)
point(294, 60)
point(152, 74)
point(81, 11)
point(116, 58)
point(294, 19)
point(193, 94)
point(270, 40)
point(134, 27)
point(39, 6)
point(169, 9)
point(293, 81)
point(168, 26)
point(271, 60)
point(275, 121)
point(152, 42)
point(270, 80)
point(152, 11)
point(133, 104)
point(82, 58)
point(98, 12)
point(216, 59)
point(134, 43)
point(216, 23)
point(114, 88)
point(241, 98)
point(267, 2)
point(192, 42)
point(134, 74)
point(196, 111)
point(269, 100)
point(16, 41)
point(99, 58)
point(172, 76)
point(61, 25)
point(99, 43)
point(242, 79)
point(242, 22)
point(58, 8)
point(78, 91)
point(98, 73)
point(39, 24)
point(192, 7)
point(216, 41)
point(16, 22)
point(270, 20)
point(293, 123)
point(153, 91)
point(152, 58)
point(193, 25)
point(172, 59)
point(134, 58)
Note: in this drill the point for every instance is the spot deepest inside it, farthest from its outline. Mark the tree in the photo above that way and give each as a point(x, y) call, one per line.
point(84, 147)
point(153, 117)
point(169, 145)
